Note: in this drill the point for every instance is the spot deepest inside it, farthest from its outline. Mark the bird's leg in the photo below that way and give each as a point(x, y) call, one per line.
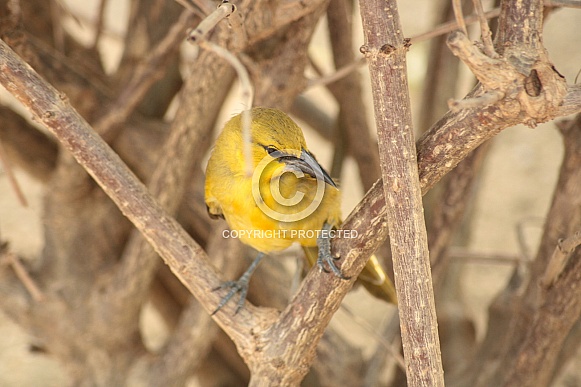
point(325, 257)
point(238, 286)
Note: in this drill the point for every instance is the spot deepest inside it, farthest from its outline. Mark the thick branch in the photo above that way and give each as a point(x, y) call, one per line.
point(520, 30)
point(121, 300)
point(386, 52)
point(186, 259)
point(542, 333)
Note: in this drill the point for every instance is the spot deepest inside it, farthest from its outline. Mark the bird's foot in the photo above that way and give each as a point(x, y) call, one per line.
point(325, 260)
point(240, 286)
point(327, 264)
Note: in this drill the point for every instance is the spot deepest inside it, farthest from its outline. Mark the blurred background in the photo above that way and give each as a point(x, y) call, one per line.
point(502, 224)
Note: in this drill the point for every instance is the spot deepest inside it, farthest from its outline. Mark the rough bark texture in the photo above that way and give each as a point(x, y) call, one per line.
point(385, 50)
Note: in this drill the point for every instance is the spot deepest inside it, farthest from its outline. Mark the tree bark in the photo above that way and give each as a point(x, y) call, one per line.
point(385, 50)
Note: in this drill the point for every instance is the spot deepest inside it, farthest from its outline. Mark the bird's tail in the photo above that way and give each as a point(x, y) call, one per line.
point(372, 277)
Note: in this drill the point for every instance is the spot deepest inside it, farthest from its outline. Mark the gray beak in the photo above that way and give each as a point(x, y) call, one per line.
point(308, 165)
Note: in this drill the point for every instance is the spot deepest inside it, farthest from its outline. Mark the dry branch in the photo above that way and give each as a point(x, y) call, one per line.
point(386, 50)
point(545, 316)
point(146, 74)
point(516, 319)
point(485, 33)
point(562, 253)
point(186, 259)
point(439, 150)
point(7, 168)
point(53, 111)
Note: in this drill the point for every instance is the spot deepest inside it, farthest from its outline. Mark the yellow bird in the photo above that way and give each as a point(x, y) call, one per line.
point(283, 197)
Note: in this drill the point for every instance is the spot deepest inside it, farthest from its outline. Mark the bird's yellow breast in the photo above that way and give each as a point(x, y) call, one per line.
point(282, 197)
point(249, 215)
point(273, 207)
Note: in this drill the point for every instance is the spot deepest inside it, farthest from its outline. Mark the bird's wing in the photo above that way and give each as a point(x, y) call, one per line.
point(214, 208)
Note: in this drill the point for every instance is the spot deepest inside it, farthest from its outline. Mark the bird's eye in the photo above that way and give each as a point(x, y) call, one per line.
point(270, 149)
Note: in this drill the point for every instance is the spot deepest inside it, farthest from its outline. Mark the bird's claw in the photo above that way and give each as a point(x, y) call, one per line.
point(240, 286)
point(326, 261)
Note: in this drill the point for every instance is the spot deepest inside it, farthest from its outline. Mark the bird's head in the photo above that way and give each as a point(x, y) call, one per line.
point(274, 137)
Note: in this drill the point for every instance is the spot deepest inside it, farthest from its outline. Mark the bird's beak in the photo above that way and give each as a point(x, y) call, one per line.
point(307, 164)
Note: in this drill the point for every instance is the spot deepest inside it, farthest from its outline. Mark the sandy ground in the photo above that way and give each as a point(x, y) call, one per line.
point(515, 188)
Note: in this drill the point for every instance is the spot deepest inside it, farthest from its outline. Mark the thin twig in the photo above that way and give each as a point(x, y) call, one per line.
point(243, 76)
point(459, 16)
point(146, 74)
point(200, 33)
point(198, 36)
point(492, 258)
point(484, 30)
point(437, 31)
point(99, 23)
point(24, 277)
point(563, 3)
point(488, 98)
point(339, 74)
point(451, 26)
point(11, 178)
point(390, 347)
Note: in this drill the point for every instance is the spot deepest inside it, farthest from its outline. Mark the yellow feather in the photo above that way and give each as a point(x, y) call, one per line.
point(288, 198)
